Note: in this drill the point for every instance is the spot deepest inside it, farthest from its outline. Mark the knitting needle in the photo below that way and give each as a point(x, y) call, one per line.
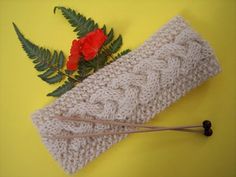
point(206, 125)
point(84, 135)
point(111, 122)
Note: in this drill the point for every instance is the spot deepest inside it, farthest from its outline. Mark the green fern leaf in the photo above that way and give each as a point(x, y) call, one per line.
point(116, 44)
point(110, 37)
point(61, 60)
point(29, 47)
point(118, 56)
point(54, 79)
point(100, 60)
point(85, 68)
point(41, 66)
point(68, 85)
point(104, 29)
point(47, 73)
point(50, 65)
point(81, 23)
point(54, 58)
point(122, 53)
point(44, 62)
point(69, 72)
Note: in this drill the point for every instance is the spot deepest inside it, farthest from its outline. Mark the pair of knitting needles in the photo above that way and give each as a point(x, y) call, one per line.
point(206, 125)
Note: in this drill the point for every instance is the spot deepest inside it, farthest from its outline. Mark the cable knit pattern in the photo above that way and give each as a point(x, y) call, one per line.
point(133, 89)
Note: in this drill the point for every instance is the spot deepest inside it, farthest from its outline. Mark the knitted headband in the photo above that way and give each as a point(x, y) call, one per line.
point(132, 89)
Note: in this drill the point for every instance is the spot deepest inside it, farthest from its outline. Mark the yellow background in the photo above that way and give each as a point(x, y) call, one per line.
point(166, 154)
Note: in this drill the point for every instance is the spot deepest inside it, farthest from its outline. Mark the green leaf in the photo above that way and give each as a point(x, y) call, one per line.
point(47, 55)
point(28, 46)
point(122, 53)
point(118, 56)
point(81, 23)
point(115, 45)
point(50, 65)
point(41, 66)
point(100, 60)
point(54, 58)
point(61, 60)
point(110, 36)
point(85, 68)
point(68, 85)
point(49, 72)
point(36, 61)
point(104, 29)
point(69, 72)
point(54, 79)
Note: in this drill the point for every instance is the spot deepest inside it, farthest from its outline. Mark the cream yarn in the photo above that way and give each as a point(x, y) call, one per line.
point(133, 89)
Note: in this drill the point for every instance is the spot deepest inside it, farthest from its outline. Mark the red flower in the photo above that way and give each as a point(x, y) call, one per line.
point(89, 52)
point(88, 46)
point(92, 44)
point(76, 47)
point(72, 63)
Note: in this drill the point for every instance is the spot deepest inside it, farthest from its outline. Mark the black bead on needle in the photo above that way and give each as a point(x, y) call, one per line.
point(207, 128)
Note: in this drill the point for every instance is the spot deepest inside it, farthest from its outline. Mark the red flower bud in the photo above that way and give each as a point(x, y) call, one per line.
point(72, 63)
point(88, 46)
point(88, 52)
point(71, 66)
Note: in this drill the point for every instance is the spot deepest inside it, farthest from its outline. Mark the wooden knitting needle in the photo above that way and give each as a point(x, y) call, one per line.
point(84, 135)
point(206, 125)
point(112, 122)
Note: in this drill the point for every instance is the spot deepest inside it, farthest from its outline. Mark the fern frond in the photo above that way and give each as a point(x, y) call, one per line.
point(110, 36)
point(43, 60)
point(116, 45)
point(104, 29)
point(68, 85)
point(118, 56)
point(122, 53)
point(81, 24)
point(50, 65)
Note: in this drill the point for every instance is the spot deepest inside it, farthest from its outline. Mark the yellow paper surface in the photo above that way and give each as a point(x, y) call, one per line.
point(165, 154)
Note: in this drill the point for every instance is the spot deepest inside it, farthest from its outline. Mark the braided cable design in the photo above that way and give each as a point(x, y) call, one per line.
point(139, 86)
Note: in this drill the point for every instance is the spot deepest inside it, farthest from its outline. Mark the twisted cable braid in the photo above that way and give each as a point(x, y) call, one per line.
point(140, 86)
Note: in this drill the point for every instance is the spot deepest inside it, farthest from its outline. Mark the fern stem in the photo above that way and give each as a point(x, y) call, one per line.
point(107, 51)
point(76, 80)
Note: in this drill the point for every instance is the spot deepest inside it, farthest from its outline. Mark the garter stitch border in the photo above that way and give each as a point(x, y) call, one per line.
point(134, 89)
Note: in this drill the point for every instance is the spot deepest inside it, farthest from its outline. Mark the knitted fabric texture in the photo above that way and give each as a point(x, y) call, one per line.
point(134, 88)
